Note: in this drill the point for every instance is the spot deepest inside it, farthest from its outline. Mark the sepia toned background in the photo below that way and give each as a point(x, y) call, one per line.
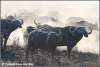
point(66, 11)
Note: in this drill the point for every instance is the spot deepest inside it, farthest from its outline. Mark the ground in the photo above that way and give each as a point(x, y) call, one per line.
point(16, 54)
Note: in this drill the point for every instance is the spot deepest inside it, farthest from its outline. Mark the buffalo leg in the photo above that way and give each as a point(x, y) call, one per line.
point(69, 50)
point(32, 50)
point(5, 42)
point(53, 51)
point(1, 43)
point(27, 51)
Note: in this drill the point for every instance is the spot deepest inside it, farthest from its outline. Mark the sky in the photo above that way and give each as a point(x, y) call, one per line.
point(65, 8)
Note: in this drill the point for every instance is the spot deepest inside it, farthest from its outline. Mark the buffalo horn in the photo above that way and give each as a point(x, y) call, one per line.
point(35, 23)
point(21, 21)
point(59, 33)
point(6, 15)
point(14, 14)
point(89, 32)
point(72, 31)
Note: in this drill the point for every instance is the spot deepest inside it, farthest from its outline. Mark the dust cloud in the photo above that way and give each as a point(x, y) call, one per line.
point(42, 11)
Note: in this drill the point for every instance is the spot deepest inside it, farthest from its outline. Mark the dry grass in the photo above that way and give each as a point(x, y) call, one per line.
point(16, 54)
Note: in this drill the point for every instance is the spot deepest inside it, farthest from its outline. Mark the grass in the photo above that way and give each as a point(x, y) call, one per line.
point(16, 54)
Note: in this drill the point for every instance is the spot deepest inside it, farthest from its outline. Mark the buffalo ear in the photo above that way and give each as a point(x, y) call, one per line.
point(86, 35)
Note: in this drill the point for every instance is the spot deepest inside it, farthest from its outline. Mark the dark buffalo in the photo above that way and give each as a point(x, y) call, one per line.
point(42, 40)
point(71, 35)
point(8, 26)
point(27, 31)
point(30, 28)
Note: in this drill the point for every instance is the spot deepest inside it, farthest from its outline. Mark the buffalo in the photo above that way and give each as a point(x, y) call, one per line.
point(30, 28)
point(7, 27)
point(42, 40)
point(71, 35)
point(27, 31)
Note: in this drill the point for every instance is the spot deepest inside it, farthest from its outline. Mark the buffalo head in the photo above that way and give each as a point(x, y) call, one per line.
point(30, 28)
point(10, 17)
point(16, 23)
point(12, 20)
point(80, 30)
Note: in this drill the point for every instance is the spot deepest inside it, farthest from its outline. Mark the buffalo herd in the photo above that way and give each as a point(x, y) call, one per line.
point(44, 37)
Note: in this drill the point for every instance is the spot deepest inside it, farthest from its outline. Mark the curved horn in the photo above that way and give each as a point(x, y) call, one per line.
point(7, 19)
point(35, 23)
point(8, 22)
point(14, 14)
point(21, 21)
point(5, 15)
point(89, 32)
point(59, 33)
point(72, 31)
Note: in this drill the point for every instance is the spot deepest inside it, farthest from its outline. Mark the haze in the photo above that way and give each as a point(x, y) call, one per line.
point(66, 9)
